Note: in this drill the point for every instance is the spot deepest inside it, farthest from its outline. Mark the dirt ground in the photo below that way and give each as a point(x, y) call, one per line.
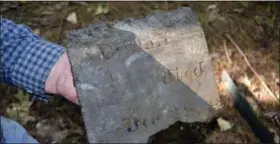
point(254, 26)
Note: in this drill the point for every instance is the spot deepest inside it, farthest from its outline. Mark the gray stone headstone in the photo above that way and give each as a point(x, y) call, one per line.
point(137, 77)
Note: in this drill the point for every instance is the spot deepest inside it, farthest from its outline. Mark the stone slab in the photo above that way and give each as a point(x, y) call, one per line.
point(137, 77)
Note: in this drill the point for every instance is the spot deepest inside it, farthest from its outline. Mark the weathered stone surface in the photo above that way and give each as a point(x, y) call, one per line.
point(137, 77)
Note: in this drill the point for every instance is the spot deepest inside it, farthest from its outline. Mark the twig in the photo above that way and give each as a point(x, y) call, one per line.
point(60, 30)
point(226, 52)
point(252, 69)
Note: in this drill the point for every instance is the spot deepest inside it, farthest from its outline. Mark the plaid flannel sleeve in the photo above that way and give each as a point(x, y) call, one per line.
point(26, 59)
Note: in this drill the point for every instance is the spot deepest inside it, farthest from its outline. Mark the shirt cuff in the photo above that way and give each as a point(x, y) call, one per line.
point(32, 68)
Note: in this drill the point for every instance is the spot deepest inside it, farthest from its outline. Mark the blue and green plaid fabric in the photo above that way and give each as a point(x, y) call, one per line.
point(26, 59)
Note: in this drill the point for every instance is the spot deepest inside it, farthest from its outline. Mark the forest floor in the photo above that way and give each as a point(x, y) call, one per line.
point(254, 26)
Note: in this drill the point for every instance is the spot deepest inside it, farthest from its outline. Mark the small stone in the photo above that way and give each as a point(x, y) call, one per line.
point(72, 18)
point(36, 31)
point(99, 10)
point(224, 125)
point(212, 7)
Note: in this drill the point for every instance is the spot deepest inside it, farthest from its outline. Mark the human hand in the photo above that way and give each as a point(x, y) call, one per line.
point(60, 80)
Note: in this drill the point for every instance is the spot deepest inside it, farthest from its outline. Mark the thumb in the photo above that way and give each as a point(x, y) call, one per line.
point(66, 88)
point(60, 80)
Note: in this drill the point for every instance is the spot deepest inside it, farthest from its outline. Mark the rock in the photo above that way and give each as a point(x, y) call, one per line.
point(135, 78)
point(72, 18)
point(36, 31)
point(223, 124)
